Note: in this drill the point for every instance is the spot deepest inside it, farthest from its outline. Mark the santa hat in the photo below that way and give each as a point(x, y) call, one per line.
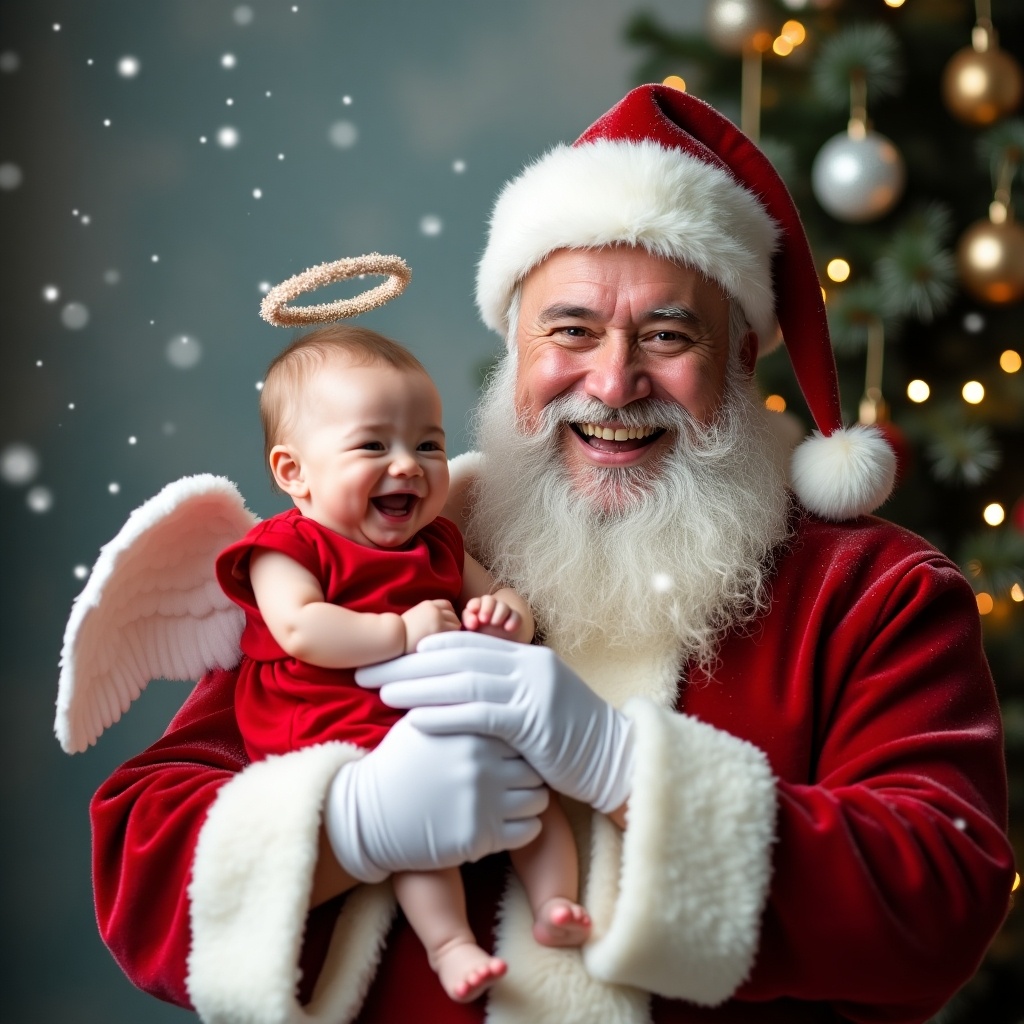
point(665, 171)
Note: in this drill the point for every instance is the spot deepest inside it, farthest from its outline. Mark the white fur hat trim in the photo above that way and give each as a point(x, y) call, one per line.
point(636, 193)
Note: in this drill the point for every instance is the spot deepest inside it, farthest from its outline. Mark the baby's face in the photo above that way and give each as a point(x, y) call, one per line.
point(371, 448)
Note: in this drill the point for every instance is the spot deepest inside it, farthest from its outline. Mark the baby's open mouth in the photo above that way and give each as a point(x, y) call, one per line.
point(395, 506)
point(616, 439)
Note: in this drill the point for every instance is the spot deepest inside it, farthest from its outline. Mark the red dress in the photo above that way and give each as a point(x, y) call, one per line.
point(283, 703)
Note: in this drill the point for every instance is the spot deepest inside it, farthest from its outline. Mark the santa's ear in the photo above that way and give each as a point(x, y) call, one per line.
point(286, 469)
point(748, 352)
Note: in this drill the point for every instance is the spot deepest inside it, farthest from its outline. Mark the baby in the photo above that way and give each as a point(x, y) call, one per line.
point(359, 572)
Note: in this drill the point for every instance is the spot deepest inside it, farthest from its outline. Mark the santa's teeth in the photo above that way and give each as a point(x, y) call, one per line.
point(616, 433)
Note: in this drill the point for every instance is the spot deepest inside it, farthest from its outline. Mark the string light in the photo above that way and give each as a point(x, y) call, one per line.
point(973, 392)
point(1017, 593)
point(782, 46)
point(794, 32)
point(1010, 361)
point(985, 603)
point(674, 82)
point(918, 391)
point(894, 3)
point(775, 403)
point(994, 514)
point(838, 270)
point(1016, 882)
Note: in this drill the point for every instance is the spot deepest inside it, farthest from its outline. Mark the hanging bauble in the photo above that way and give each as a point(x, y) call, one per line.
point(857, 179)
point(736, 25)
point(980, 87)
point(990, 261)
point(1017, 515)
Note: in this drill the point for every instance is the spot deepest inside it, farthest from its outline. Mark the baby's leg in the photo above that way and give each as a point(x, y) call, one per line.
point(435, 904)
point(549, 871)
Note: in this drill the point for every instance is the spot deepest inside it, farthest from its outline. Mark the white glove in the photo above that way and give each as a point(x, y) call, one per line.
point(419, 802)
point(524, 695)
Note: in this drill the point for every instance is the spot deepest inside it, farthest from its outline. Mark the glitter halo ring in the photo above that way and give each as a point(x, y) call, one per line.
point(275, 309)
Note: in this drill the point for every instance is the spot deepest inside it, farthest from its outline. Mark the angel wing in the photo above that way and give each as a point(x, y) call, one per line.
point(152, 608)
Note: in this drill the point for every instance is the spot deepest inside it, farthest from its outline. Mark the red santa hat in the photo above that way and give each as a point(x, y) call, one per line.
point(665, 171)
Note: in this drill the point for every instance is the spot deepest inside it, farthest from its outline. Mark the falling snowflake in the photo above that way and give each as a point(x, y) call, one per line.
point(51, 293)
point(74, 316)
point(9, 62)
point(80, 572)
point(227, 137)
point(431, 225)
point(459, 166)
point(10, 176)
point(662, 583)
point(39, 499)
point(228, 60)
point(343, 134)
point(242, 14)
point(183, 352)
point(19, 464)
point(128, 67)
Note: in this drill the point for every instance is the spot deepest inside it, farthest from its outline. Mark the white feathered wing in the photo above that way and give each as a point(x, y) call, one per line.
point(152, 608)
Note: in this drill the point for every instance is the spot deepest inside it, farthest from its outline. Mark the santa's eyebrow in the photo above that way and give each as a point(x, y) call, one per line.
point(564, 311)
point(687, 316)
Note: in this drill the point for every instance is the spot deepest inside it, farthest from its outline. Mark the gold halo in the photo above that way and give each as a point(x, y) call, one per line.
point(275, 309)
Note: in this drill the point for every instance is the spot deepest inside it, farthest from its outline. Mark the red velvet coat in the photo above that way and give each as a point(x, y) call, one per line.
point(852, 738)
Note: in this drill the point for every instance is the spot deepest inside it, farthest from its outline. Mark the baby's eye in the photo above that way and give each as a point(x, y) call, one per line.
point(429, 446)
point(372, 446)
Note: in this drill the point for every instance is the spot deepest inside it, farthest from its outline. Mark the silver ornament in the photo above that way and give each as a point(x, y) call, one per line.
point(858, 179)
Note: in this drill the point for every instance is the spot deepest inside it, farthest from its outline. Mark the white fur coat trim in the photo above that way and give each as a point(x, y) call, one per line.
point(635, 193)
point(696, 861)
point(249, 895)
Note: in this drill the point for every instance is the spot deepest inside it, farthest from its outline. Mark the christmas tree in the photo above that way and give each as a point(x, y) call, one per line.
point(897, 129)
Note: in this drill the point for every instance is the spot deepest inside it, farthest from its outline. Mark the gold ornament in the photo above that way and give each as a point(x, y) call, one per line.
point(734, 26)
point(980, 88)
point(990, 259)
point(982, 83)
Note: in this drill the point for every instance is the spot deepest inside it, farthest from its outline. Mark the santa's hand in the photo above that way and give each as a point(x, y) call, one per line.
point(468, 683)
point(419, 802)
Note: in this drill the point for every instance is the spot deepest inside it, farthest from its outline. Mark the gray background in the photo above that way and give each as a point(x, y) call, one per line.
point(431, 82)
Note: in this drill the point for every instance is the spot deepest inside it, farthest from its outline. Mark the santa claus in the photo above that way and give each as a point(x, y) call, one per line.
point(767, 712)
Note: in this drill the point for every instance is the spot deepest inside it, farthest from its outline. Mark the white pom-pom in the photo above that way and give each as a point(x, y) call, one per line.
point(847, 474)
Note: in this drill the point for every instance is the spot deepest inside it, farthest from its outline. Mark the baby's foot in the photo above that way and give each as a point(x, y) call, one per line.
point(466, 971)
point(560, 922)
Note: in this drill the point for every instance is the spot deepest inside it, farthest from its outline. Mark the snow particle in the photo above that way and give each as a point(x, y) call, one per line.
point(662, 583)
point(39, 499)
point(19, 464)
point(133, 439)
point(74, 316)
point(154, 258)
point(71, 405)
point(458, 166)
point(169, 429)
point(228, 60)
point(257, 193)
point(111, 276)
point(56, 26)
point(80, 572)
point(264, 287)
point(86, 219)
point(242, 14)
point(51, 293)
point(343, 134)
point(128, 67)
point(227, 137)
point(347, 100)
point(183, 352)
point(259, 385)
point(106, 122)
point(114, 487)
point(960, 823)
point(974, 323)
point(280, 156)
point(10, 176)
point(431, 225)
point(9, 62)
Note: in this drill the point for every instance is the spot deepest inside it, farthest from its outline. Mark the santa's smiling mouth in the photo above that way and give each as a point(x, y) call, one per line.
point(619, 439)
point(395, 506)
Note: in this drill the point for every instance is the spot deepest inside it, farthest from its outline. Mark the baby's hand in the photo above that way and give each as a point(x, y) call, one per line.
point(426, 618)
point(492, 616)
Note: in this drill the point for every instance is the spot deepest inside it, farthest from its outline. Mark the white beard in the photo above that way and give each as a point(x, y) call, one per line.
point(676, 552)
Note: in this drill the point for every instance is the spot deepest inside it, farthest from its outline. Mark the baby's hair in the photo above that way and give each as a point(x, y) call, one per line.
point(297, 365)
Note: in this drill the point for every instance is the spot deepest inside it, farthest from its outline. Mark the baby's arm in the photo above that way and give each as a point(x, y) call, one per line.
point(307, 627)
point(501, 613)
